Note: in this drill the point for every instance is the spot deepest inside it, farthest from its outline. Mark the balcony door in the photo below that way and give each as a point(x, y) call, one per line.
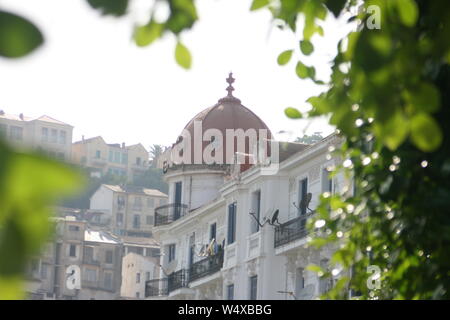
point(177, 200)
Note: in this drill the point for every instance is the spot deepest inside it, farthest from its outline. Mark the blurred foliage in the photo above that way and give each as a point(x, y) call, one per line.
point(29, 184)
point(389, 99)
point(18, 36)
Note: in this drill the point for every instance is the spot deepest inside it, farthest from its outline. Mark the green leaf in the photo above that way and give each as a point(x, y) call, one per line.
point(145, 35)
point(284, 57)
point(301, 70)
point(110, 7)
point(258, 4)
point(425, 97)
point(306, 47)
point(408, 12)
point(425, 132)
point(183, 56)
point(293, 113)
point(18, 36)
point(393, 131)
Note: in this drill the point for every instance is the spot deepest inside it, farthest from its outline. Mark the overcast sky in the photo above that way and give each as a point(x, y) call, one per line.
point(90, 74)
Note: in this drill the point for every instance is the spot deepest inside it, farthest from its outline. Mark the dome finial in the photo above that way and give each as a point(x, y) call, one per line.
point(230, 81)
point(230, 89)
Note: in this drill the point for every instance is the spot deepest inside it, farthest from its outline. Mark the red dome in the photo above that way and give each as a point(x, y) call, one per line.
point(228, 113)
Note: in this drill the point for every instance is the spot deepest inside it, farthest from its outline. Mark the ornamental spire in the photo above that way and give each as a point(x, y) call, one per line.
point(230, 98)
point(230, 81)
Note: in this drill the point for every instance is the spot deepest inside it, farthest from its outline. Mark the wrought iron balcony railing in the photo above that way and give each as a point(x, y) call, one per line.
point(178, 279)
point(292, 230)
point(156, 288)
point(169, 213)
point(206, 266)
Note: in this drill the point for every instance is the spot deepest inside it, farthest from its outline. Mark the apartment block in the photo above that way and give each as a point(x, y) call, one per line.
point(44, 133)
point(131, 208)
point(102, 158)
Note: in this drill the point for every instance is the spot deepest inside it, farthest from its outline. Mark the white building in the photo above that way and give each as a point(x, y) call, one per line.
point(210, 205)
point(44, 133)
point(136, 270)
point(130, 209)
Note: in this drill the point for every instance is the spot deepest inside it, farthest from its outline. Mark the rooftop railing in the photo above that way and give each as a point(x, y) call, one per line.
point(156, 288)
point(169, 213)
point(206, 266)
point(178, 279)
point(291, 230)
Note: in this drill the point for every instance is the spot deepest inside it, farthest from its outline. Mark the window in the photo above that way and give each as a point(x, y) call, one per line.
point(34, 265)
point(109, 256)
point(253, 287)
point(108, 280)
point(124, 158)
point(138, 277)
point(256, 209)
point(171, 250)
point(230, 292)
point(147, 276)
point(44, 134)
point(119, 219)
point(121, 201)
point(231, 223)
point(117, 156)
point(98, 154)
point(62, 137)
point(136, 221)
point(90, 275)
point(16, 133)
point(74, 228)
point(327, 183)
point(110, 158)
point(302, 192)
point(137, 205)
point(54, 136)
point(44, 271)
point(149, 220)
point(72, 250)
point(151, 252)
point(138, 161)
point(89, 254)
point(150, 202)
point(299, 281)
point(3, 130)
point(60, 155)
point(138, 295)
point(212, 231)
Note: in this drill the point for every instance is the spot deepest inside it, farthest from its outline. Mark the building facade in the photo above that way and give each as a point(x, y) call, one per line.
point(233, 231)
point(136, 271)
point(102, 158)
point(131, 208)
point(93, 256)
point(44, 134)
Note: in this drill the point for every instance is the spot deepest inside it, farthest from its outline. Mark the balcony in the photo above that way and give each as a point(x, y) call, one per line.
point(178, 279)
point(156, 288)
point(169, 213)
point(290, 231)
point(206, 267)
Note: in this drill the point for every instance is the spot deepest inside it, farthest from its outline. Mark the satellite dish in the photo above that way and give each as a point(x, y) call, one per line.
point(275, 217)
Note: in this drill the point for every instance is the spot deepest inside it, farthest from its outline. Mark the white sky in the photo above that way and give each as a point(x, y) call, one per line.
point(91, 75)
